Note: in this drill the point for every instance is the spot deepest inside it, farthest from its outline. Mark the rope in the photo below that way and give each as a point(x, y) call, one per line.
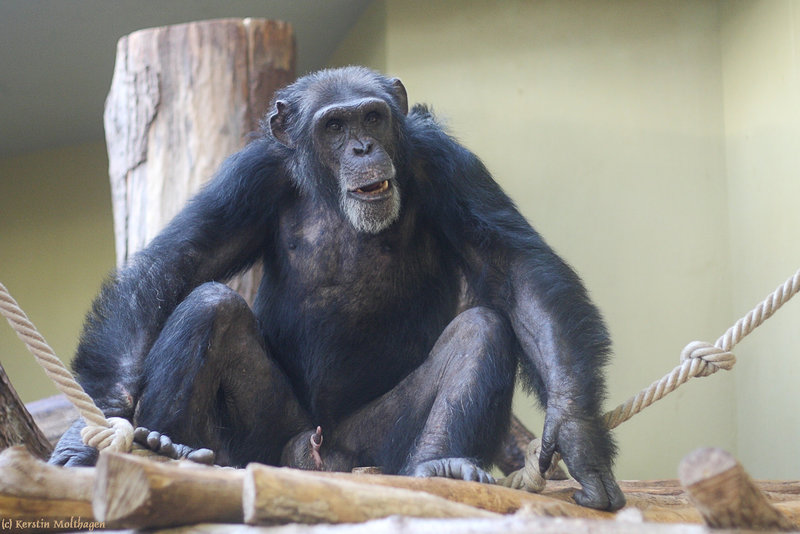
point(114, 433)
point(529, 478)
point(702, 359)
point(698, 358)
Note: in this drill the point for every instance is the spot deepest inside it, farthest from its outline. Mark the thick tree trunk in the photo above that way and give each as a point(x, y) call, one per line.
point(182, 99)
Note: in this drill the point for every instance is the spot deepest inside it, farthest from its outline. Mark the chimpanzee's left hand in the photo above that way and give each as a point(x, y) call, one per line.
point(580, 440)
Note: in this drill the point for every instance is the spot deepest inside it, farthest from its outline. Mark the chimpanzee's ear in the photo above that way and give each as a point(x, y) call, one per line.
point(277, 123)
point(400, 95)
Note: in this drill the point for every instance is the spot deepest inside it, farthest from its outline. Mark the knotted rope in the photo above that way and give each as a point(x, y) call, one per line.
point(701, 359)
point(698, 358)
point(113, 433)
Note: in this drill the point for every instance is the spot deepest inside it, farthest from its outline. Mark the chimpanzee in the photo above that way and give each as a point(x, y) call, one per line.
point(401, 291)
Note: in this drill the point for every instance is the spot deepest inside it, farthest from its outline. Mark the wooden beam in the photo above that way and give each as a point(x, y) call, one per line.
point(282, 495)
point(134, 492)
point(33, 492)
point(489, 497)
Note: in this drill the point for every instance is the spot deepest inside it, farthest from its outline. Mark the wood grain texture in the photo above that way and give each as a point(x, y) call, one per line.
point(17, 427)
point(182, 99)
point(135, 492)
point(31, 490)
point(725, 494)
point(281, 495)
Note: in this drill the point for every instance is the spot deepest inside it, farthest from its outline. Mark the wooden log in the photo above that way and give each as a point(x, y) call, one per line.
point(148, 494)
point(35, 495)
point(658, 501)
point(182, 99)
point(725, 494)
point(133, 492)
point(17, 427)
point(282, 495)
point(489, 497)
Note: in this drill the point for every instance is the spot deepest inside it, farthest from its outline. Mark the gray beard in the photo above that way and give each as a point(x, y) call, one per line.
point(369, 218)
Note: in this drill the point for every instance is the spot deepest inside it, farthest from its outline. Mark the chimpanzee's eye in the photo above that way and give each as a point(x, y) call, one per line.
point(334, 125)
point(373, 117)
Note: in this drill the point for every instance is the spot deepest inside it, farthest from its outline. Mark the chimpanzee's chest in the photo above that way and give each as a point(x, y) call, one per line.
point(348, 314)
point(329, 263)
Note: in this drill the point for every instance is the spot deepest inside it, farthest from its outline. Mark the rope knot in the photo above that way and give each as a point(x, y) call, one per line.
point(528, 478)
point(117, 438)
point(707, 359)
point(532, 479)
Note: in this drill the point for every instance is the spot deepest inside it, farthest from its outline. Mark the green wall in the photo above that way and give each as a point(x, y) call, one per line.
point(614, 126)
point(762, 119)
point(56, 247)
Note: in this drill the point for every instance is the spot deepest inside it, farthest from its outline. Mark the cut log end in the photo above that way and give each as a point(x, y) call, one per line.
point(133, 492)
point(705, 463)
point(114, 501)
point(725, 494)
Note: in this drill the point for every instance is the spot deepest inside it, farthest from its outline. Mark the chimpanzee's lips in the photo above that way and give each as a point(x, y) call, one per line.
point(373, 191)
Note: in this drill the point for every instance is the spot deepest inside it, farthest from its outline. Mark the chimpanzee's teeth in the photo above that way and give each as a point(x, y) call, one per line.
point(374, 188)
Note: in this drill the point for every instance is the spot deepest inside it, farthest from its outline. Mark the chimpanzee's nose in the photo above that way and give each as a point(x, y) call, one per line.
point(362, 149)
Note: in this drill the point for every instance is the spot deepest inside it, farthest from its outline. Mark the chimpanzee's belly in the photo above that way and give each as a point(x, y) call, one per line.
point(348, 315)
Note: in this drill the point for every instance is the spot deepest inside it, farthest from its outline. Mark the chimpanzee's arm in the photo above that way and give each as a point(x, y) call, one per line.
point(510, 268)
point(219, 233)
point(566, 344)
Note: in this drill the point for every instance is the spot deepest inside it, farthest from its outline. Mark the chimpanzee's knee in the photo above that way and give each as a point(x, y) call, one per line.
point(480, 335)
point(209, 381)
point(209, 333)
point(212, 301)
point(207, 324)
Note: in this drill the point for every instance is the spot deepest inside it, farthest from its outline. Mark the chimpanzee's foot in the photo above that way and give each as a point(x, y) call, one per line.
point(70, 450)
point(162, 444)
point(459, 468)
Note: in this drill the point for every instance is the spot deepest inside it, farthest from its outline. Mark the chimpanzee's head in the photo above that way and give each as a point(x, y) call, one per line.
point(345, 129)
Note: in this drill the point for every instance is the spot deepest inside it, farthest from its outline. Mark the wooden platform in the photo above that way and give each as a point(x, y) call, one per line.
point(126, 491)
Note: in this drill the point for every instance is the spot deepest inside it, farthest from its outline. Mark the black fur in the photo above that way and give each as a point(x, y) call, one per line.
point(402, 343)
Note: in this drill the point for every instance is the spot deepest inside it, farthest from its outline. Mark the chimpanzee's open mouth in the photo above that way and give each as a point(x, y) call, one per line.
point(377, 187)
point(372, 191)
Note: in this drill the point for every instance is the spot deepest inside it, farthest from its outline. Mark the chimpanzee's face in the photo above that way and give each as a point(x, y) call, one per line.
point(344, 131)
point(354, 140)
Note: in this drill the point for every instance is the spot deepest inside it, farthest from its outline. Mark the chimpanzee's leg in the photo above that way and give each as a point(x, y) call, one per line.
point(448, 416)
point(209, 382)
